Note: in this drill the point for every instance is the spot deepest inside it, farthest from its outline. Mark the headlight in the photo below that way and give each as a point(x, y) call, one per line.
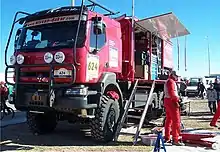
point(20, 59)
point(48, 57)
point(12, 60)
point(59, 57)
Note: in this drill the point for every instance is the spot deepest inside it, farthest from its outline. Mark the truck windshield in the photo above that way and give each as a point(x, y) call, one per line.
point(60, 34)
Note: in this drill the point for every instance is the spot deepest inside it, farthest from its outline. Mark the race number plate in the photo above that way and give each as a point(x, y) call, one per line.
point(92, 67)
point(62, 72)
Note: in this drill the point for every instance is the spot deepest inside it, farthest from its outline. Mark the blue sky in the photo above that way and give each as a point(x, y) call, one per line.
point(201, 18)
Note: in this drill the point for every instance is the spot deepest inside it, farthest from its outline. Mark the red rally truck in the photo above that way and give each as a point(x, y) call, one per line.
point(71, 63)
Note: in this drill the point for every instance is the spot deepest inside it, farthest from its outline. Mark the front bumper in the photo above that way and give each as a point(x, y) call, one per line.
point(36, 95)
point(40, 101)
point(70, 103)
point(191, 92)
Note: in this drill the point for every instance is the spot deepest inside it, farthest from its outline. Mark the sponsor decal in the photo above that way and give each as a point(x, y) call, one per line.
point(54, 20)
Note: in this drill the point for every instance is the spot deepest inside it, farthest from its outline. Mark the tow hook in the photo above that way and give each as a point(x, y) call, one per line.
point(52, 98)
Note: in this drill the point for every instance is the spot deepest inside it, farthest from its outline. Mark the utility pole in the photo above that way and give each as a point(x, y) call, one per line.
point(207, 38)
point(72, 2)
point(132, 33)
point(185, 55)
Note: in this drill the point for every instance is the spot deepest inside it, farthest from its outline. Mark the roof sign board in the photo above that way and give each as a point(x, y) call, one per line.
point(54, 20)
point(166, 26)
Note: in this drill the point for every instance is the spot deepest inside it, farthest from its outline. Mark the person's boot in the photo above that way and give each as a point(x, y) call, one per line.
point(178, 143)
point(168, 142)
point(213, 125)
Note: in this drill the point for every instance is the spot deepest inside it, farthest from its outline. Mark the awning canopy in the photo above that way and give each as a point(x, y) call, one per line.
point(165, 26)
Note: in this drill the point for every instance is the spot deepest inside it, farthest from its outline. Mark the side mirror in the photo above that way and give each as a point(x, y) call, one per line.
point(98, 28)
point(97, 25)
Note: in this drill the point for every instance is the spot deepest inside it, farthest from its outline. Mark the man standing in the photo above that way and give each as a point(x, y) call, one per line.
point(217, 113)
point(171, 104)
point(198, 88)
point(212, 97)
point(202, 89)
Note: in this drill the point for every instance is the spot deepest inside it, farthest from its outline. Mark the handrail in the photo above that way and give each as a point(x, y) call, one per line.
point(10, 34)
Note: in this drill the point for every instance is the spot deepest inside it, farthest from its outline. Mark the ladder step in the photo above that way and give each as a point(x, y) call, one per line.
point(138, 101)
point(144, 87)
point(138, 108)
point(135, 117)
point(140, 93)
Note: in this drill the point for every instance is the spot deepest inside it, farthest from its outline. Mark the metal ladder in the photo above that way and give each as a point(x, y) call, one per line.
point(127, 107)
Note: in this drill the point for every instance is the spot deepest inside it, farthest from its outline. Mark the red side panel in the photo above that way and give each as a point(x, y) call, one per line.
point(167, 55)
point(127, 53)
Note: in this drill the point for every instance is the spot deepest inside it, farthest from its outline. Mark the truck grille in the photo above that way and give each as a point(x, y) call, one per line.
point(34, 74)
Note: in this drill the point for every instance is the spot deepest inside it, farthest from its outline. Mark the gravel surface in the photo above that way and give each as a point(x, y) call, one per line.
point(69, 137)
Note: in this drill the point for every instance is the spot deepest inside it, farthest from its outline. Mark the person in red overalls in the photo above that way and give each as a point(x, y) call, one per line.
point(217, 113)
point(3, 94)
point(171, 104)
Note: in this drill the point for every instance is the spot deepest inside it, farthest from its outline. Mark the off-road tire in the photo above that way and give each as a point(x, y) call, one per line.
point(108, 110)
point(151, 112)
point(41, 123)
point(161, 110)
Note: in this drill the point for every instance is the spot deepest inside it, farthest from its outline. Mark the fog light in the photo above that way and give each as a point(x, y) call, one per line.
point(12, 59)
point(20, 59)
point(59, 57)
point(48, 57)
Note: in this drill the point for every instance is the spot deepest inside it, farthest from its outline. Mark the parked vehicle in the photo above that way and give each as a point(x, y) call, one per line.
point(192, 86)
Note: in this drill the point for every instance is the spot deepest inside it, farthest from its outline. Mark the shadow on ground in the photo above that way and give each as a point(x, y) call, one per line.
point(17, 137)
point(205, 113)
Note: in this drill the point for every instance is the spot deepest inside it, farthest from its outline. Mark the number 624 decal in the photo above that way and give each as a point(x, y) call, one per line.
point(92, 66)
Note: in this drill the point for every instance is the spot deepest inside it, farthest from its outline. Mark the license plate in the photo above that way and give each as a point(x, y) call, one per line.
point(62, 72)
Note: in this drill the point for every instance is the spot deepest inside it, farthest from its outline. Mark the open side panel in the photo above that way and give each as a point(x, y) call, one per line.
point(165, 26)
point(162, 28)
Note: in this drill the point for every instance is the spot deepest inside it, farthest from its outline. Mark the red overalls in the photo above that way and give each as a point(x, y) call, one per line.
point(217, 113)
point(3, 90)
point(171, 105)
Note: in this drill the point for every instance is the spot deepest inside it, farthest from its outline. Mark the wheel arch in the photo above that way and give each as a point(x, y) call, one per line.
point(109, 82)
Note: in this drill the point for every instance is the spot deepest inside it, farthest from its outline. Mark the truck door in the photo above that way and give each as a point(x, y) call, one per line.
point(98, 54)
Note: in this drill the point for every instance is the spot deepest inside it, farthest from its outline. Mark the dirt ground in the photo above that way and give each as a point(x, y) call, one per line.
point(69, 137)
